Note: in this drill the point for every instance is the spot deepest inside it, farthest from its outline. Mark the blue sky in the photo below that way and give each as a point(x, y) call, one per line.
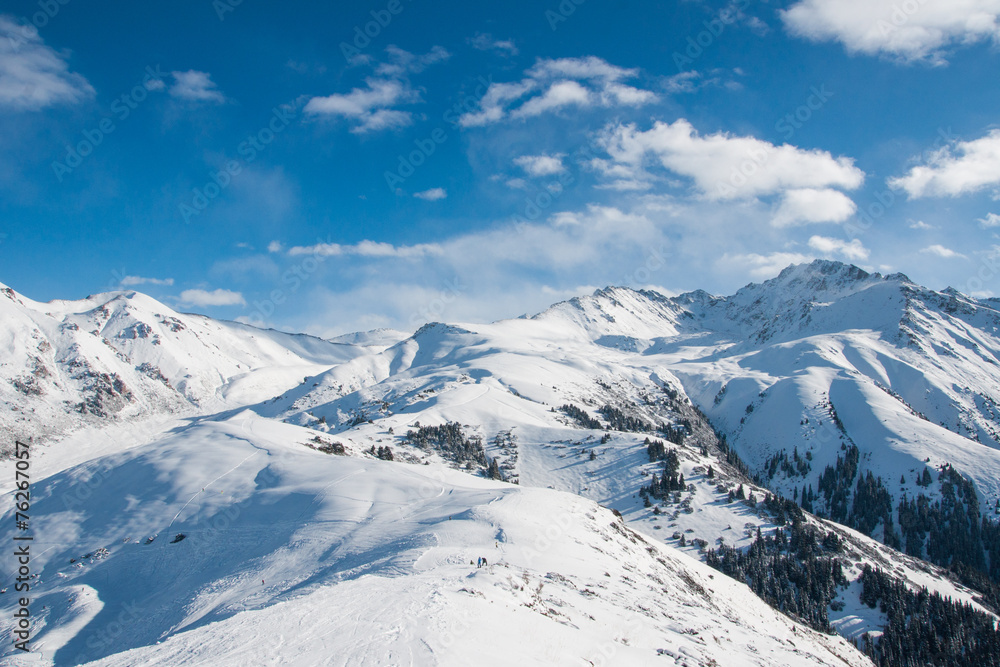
point(330, 168)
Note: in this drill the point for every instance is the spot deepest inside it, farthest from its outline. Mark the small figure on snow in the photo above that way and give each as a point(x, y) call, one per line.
point(479, 562)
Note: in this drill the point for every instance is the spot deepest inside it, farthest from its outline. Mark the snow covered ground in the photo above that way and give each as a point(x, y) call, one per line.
point(291, 556)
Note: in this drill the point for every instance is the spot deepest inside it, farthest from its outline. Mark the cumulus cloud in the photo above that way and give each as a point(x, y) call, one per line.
point(553, 84)
point(32, 75)
point(541, 165)
point(921, 225)
point(811, 205)
point(851, 250)
point(723, 166)
point(195, 86)
point(373, 107)
point(132, 281)
point(433, 194)
point(909, 31)
point(961, 168)
point(218, 297)
point(941, 251)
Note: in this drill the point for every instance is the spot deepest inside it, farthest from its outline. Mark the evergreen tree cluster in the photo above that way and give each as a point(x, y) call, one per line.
point(671, 480)
point(925, 628)
point(384, 453)
point(619, 421)
point(872, 505)
point(796, 571)
point(797, 466)
point(836, 481)
point(449, 441)
point(580, 416)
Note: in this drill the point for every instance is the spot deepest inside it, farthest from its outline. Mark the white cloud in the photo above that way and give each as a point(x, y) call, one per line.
point(219, 297)
point(274, 246)
point(366, 249)
point(195, 86)
point(369, 106)
point(485, 42)
point(921, 225)
point(809, 205)
point(909, 31)
point(991, 220)
point(32, 75)
point(403, 62)
point(433, 194)
point(722, 166)
point(559, 94)
point(130, 281)
point(541, 165)
point(851, 250)
point(942, 251)
point(760, 267)
point(555, 84)
point(963, 167)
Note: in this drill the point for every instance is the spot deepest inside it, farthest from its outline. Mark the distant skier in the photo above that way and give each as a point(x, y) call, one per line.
point(479, 562)
point(484, 562)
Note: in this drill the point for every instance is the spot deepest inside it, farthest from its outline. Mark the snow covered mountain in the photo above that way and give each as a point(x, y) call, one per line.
point(865, 399)
point(123, 355)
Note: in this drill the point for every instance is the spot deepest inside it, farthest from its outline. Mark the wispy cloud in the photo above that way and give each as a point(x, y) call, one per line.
point(433, 194)
point(486, 42)
point(555, 84)
point(991, 220)
point(851, 250)
point(541, 165)
point(195, 86)
point(132, 281)
point(366, 249)
point(941, 251)
point(218, 297)
point(374, 107)
point(32, 75)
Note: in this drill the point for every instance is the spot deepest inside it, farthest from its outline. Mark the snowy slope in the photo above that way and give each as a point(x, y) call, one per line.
point(123, 355)
point(291, 556)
